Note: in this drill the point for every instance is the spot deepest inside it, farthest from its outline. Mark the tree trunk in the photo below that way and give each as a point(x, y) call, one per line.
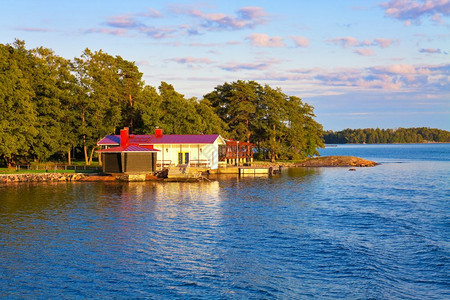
point(90, 156)
point(131, 117)
point(85, 154)
point(249, 133)
point(274, 144)
point(84, 139)
point(69, 158)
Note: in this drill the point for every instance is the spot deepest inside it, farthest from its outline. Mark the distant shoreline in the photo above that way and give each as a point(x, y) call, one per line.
point(424, 143)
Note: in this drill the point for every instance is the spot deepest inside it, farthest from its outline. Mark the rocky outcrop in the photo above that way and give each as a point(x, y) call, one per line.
point(41, 177)
point(337, 161)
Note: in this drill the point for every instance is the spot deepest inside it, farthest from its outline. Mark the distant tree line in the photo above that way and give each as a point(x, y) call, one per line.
point(387, 136)
point(53, 108)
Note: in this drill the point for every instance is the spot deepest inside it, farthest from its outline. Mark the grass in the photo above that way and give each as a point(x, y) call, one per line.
point(50, 166)
point(13, 171)
point(53, 163)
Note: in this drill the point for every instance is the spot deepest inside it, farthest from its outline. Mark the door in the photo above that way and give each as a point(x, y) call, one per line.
point(183, 158)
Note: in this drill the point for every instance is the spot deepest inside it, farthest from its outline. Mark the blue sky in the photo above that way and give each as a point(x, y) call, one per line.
point(361, 64)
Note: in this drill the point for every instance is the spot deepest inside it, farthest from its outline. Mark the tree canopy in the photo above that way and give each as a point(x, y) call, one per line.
point(387, 136)
point(280, 126)
point(50, 105)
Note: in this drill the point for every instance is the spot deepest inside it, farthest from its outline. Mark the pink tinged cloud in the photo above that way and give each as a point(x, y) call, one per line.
point(116, 32)
point(246, 17)
point(252, 13)
point(263, 40)
point(391, 77)
point(383, 43)
point(395, 69)
point(143, 63)
point(430, 50)
point(345, 42)
point(156, 32)
point(364, 52)
point(414, 10)
point(191, 60)
point(152, 13)
point(33, 29)
point(301, 41)
point(246, 66)
point(349, 41)
point(124, 21)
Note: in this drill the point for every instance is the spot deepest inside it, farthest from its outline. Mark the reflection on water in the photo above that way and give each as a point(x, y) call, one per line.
point(308, 233)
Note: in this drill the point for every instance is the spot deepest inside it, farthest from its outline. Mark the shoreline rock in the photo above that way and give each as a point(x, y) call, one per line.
point(337, 161)
point(41, 177)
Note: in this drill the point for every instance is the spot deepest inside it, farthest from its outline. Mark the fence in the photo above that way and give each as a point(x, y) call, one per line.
point(51, 168)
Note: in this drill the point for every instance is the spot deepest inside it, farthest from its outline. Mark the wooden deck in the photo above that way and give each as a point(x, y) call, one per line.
point(247, 170)
point(253, 170)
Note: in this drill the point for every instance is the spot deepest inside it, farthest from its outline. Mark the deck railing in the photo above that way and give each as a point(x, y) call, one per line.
point(163, 163)
point(199, 163)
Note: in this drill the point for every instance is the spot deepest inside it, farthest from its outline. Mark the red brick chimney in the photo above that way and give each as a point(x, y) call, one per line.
point(124, 137)
point(158, 133)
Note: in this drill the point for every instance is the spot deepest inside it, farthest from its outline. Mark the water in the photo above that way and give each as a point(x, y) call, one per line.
point(324, 233)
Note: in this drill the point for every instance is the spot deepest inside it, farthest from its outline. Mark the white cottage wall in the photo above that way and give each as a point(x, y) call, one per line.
point(197, 153)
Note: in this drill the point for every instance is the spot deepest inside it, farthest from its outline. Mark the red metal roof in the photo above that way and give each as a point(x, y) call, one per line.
point(109, 140)
point(140, 139)
point(112, 140)
point(185, 139)
point(130, 148)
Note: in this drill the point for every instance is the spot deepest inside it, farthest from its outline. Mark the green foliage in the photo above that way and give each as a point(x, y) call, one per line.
point(50, 106)
point(174, 114)
point(387, 136)
point(18, 115)
point(280, 126)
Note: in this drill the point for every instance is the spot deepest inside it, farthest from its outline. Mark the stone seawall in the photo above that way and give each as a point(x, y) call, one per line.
point(41, 177)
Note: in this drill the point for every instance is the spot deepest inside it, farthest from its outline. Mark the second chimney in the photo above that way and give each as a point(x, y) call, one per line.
point(158, 133)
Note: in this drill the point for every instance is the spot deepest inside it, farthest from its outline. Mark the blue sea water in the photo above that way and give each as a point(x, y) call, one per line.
point(319, 233)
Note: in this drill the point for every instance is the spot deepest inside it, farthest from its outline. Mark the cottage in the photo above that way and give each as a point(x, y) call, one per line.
point(197, 150)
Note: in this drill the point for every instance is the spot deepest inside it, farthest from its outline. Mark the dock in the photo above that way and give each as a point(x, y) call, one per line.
point(243, 170)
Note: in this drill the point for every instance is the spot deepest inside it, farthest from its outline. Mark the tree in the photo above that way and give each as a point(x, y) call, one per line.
point(98, 100)
point(210, 123)
point(305, 134)
point(236, 105)
point(130, 86)
point(179, 115)
point(17, 111)
point(271, 118)
point(50, 105)
point(279, 125)
point(147, 111)
point(52, 83)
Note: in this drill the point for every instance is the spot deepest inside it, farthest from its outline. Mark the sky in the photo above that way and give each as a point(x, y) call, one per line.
point(361, 64)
